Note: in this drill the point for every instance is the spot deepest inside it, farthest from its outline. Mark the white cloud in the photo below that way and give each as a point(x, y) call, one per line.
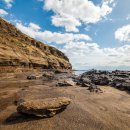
point(87, 55)
point(3, 12)
point(34, 26)
point(69, 22)
point(8, 3)
point(72, 13)
point(33, 30)
point(123, 34)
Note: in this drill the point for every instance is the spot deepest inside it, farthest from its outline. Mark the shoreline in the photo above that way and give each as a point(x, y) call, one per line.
point(106, 109)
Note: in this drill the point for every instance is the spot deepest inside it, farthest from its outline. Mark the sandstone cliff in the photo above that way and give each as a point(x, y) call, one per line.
point(18, 50)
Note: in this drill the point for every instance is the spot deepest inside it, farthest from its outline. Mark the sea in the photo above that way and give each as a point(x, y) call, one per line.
point(79, 72)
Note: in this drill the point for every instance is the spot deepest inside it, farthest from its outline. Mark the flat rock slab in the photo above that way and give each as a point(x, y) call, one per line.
point(67, 82)
point(44, 107)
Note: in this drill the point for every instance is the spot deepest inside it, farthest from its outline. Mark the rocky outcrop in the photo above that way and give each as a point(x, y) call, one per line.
point(44, 107)
point(18, 50)
point(117, 79)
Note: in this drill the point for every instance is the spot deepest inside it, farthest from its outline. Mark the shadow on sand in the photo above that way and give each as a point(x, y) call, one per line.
point(20, 118)
point(16, 117)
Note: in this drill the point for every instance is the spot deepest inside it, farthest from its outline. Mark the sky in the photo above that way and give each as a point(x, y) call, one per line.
point(92, 33)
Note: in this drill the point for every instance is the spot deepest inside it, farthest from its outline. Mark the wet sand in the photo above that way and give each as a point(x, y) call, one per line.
point(109, 110)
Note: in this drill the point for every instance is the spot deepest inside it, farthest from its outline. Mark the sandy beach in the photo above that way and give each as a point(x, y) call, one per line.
point(88, 111)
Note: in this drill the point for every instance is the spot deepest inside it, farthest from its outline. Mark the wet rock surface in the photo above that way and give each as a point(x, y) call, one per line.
point(44, 107)
point(118, 79)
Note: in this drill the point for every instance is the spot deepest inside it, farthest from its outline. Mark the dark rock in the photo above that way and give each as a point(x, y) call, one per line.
point(93, 71)
point(48, 75)
point(117, 81)
point(104, 80)
point(104, 72)
point(121, 84)
point(84, 82)
point(31, 77)
point(44, 107)
point(85, 85)
point(94, 88)
point(122, 75)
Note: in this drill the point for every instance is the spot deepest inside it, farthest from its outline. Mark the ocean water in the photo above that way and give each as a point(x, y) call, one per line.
point(78, 72)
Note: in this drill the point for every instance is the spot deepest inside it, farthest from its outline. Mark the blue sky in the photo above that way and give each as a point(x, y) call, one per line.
point(93, 34)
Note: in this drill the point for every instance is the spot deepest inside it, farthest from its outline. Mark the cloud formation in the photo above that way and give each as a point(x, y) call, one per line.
point(3, 13)
point(123, 34)
point(8, 3)
point(33, 30)
point(87, 55)
point(72, 13)
point(82, 53)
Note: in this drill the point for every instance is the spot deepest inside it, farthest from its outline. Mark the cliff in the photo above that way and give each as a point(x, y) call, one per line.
point(18, 50)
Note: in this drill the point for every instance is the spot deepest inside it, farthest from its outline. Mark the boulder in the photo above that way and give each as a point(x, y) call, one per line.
point(44, 107)
point(94, 88)
point(104, 80)
point(116, 82)
point(67, 82)
point(31, 77)
point(85, 82)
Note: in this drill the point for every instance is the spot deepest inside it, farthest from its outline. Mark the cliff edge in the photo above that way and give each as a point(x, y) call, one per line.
point(19, 51)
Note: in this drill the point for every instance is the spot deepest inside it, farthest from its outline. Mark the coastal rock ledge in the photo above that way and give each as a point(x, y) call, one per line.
point(44, 107)
point(19, 52)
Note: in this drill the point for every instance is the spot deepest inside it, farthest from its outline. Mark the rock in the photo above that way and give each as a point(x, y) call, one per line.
point(95, 79)
point(104, 80)
point(85, 82)
point(67, 82)
point(117, 81)
point(31, 54)
point(44, 107)
point(59, 71)
point(121, 83)
point(31, 77)
point(122, 75)
point(48, 75)
point(103, 72)
point(94, 88)
point(18, 101)
point(75, 78)
point(124, 86)
point(93, 71)
point(85, 85)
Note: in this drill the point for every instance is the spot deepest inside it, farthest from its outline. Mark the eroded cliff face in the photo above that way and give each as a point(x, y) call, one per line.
point(18, 50)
